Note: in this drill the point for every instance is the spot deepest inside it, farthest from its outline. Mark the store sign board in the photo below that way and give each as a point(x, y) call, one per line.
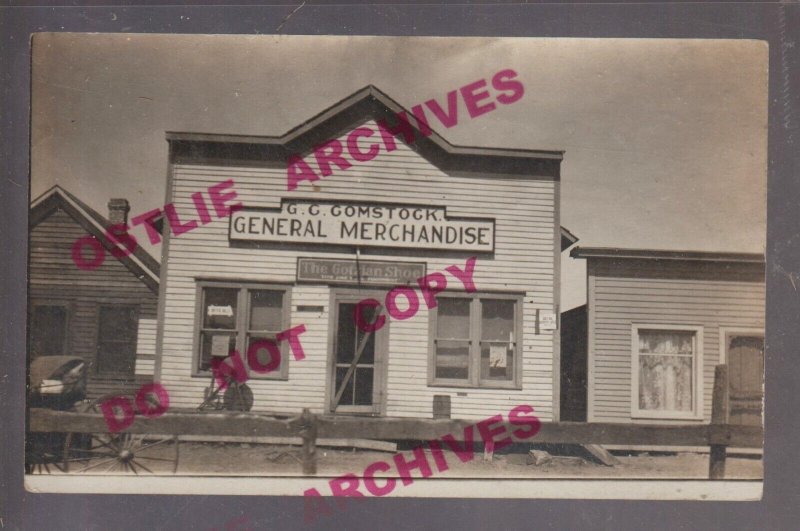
point(365, 272)
point(362, 225)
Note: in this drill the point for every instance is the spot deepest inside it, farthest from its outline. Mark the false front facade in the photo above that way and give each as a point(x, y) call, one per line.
point(424, 274)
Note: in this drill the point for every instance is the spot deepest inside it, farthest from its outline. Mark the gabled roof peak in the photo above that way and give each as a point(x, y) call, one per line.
point(140, 263)
point(360, 104)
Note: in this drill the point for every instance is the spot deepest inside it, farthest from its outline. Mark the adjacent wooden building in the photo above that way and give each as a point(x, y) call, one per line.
point(106, 315)
point(231, 281)
point(659, 322)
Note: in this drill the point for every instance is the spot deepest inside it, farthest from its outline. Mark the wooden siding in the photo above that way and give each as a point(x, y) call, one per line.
point(527, 235)
point(146, 347)
point(623, 292)
point(54, 277)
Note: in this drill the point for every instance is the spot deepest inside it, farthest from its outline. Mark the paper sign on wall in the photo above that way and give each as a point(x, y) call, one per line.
point(224, 311)
point(547, 321)
point(219, 345)
point(497, 356)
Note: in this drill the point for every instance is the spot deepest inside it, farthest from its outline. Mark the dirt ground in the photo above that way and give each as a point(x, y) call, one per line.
point(271, 460)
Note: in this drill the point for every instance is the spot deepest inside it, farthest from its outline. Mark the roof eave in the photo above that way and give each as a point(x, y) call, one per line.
point(658, 254)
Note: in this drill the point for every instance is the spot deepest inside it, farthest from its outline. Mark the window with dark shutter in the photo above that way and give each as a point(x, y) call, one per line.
point(116, 340)
point(48, 336)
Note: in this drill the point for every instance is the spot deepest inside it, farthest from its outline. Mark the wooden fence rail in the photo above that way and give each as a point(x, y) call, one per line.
point(719, 435)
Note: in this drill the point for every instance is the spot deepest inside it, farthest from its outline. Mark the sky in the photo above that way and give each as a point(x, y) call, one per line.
point(664, 140)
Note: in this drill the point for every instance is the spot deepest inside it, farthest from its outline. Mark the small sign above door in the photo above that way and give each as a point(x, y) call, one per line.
point(365, 272)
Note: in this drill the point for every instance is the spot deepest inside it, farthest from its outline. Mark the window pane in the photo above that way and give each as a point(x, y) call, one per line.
point(665, 383)
point(117, 323)
point(220, 308)
point(347, 395)
point(349, 337)
point(213, 345)
point(666, 342)
point(497, 361)
point(452, 320)
point(116, 341)
point(48, 331)
point(452, 359)
point(264, 355)
point(266, 310)
point(363, 382)
point(497, 320)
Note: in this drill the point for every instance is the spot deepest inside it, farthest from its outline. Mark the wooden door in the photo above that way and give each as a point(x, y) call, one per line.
point(745, 355)
point(357, 360)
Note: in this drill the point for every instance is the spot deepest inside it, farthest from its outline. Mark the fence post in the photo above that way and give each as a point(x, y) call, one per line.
point(308, 432)
point(719, 416)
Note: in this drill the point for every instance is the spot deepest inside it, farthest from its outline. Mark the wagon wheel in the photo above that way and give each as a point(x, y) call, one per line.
point(43, 451)
point(120, 452)
point(238, 397)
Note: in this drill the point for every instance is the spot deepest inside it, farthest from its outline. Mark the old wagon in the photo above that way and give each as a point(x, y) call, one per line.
point(59, 383)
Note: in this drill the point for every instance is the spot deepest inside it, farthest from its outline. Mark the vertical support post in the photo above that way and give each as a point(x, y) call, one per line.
point(308, 432)
point(719, 417)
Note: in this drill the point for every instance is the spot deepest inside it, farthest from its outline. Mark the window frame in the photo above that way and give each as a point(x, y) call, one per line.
point(242, 324)
point(68, 308)
point(474, 380)
point(697, 377)
point(112, 374)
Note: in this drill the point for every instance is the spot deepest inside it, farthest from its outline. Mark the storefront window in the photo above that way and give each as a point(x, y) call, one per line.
point(218, 335)
point(497, 339)
point(233, 317)
point(475, 341)
point(452, 339)
point(265, 321)
point(667, 365)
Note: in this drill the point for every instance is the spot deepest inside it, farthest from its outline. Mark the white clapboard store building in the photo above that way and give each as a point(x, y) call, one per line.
point(309, 255)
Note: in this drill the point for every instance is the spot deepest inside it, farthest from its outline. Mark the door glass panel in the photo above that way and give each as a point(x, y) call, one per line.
point(345, 334)
point(347, 396)
point(359, 388)
point(363, 384)
point(368, 354)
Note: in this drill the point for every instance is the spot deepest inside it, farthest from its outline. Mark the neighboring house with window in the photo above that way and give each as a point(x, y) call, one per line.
point(658, 324)
point(107, 315)
point(393, 211)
